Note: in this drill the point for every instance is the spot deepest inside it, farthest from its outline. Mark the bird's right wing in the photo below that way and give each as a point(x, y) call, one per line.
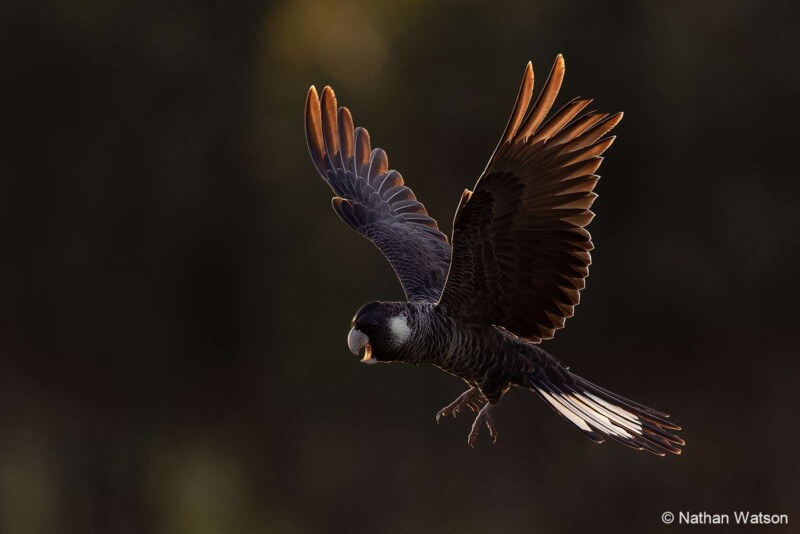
point(373, 199)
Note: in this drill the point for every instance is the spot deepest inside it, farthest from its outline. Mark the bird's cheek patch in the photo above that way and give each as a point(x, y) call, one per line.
point(400, 329)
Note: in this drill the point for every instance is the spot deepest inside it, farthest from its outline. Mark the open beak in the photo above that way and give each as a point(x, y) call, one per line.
point(357, 340)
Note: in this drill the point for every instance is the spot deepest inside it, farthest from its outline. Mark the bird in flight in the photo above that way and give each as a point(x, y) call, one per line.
point(479, 308)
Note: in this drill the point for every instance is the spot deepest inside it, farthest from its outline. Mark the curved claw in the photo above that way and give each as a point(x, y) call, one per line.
point(472, 399)
point(492, 429)
point(484, 418)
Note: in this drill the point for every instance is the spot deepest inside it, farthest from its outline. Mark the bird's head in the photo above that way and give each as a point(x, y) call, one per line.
point(380, 329)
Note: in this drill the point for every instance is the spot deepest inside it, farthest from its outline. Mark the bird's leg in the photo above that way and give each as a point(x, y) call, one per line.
point(472, 399)
point(492, 388)
point(484, 418)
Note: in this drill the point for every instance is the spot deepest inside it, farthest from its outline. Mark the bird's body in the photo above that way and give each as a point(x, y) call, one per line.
point(475, 353)
point(520, 255)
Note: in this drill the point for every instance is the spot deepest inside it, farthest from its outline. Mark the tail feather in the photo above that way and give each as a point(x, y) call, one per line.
point(599, 413)
point(568, 414)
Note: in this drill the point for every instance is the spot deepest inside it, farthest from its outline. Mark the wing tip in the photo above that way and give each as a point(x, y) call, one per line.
point(312, 99)
point(313, 130)
point(343, 113)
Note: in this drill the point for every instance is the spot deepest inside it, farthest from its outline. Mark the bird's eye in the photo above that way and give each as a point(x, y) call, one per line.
point(373, 325)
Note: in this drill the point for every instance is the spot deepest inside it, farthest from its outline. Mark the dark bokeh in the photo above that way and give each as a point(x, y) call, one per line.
point(176, 290)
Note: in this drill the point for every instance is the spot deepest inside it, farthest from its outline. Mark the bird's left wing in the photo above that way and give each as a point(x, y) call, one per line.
point(373, 200)
point(520, 250)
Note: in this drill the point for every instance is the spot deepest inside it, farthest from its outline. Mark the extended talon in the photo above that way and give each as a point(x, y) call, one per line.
point(484, 418)
point(472, 399)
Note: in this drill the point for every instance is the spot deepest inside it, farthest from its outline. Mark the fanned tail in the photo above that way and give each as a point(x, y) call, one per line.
point(599, 413)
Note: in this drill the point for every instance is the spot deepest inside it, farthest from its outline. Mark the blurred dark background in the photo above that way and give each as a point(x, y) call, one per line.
point(176, 290)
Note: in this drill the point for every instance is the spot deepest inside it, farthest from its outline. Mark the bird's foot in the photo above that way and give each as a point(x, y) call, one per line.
point(484, 418)
point(472, 399)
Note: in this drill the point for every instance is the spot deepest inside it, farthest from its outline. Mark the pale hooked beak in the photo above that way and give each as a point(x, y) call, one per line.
point(357, 340)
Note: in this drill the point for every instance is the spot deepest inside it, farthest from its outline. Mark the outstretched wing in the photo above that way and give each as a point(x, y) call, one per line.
point(373, 199)
point(520, 250)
